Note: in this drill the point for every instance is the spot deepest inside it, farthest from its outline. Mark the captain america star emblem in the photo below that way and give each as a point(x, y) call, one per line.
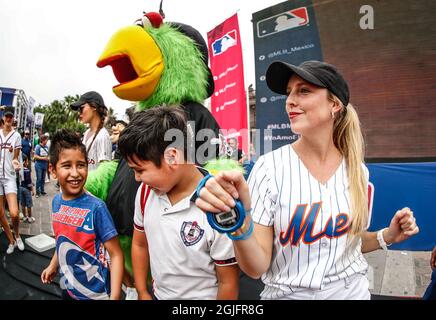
point(81, 272)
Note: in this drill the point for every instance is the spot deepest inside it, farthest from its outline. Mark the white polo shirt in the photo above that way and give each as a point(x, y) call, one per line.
point(184, 250)
point(8, 144)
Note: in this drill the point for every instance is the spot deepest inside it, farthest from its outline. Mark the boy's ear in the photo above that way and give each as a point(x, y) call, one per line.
point(172, 156)
point(52, 170)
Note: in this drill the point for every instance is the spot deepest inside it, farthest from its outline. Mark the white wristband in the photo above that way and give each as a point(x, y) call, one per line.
point(381, 240)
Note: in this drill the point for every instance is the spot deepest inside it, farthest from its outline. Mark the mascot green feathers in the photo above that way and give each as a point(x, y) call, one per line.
point(155, 63)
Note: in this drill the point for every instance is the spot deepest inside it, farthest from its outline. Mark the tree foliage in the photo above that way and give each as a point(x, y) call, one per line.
point(110, 119)
point(58, 114)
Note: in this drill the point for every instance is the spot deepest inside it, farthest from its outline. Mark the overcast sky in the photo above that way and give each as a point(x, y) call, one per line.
point(49, 48)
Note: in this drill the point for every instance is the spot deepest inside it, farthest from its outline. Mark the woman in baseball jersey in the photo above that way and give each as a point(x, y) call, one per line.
point(309, 200)
point(10, 142)
point(96, 139)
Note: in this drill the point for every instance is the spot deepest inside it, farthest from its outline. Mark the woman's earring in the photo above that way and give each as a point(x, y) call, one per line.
point(333, 115)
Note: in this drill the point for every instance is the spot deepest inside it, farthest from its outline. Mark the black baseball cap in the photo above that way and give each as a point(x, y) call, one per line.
point(9, 111)
point(315, 72)
point(88, 97)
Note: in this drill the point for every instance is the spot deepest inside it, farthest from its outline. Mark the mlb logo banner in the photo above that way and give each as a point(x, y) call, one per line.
point(222, 44)
point(228, 102)
point(287, 32)
point(283, 21)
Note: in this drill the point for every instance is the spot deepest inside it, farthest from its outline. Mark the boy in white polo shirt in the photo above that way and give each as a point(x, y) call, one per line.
point(188, 259)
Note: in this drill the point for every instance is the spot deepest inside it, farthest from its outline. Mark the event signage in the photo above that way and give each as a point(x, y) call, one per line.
point(286, 32)
point(228, 102)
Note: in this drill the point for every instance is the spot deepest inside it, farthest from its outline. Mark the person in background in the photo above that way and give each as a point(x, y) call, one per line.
point(26, 145)
point(93, 111)
point(36, 138)
point(26, 150)
point(237, 153)
point(48, 148)
point(27, 190)
point(430, 293)
point(10, 142)
point(41, 161)
point(253, 154)
point(120, 125)
point(122, 210)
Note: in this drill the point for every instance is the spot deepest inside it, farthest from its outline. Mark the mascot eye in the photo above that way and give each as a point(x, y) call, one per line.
point(150, 20)
point(146, 23)
point(138, 22)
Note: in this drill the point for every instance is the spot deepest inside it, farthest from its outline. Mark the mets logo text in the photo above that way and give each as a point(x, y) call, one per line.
point(301, 226)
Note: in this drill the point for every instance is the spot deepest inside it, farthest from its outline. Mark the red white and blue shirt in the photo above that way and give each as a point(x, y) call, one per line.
point(81, 227)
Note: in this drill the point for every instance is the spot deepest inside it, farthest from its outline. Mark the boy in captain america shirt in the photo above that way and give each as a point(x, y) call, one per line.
point(83, 228)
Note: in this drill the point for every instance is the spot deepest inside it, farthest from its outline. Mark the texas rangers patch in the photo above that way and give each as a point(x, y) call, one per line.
point(191, 233)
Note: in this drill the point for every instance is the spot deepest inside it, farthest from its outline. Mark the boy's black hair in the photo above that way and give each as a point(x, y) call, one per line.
point(65, 139)
point(144, 137)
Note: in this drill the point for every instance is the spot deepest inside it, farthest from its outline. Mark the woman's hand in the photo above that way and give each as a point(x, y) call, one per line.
point(16, 165)
point(402, 227)
point(220, 191)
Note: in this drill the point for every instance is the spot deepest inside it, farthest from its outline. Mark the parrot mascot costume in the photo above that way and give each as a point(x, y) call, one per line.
point(155, 63)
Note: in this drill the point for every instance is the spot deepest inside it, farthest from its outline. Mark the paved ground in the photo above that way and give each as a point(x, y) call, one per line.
point(392, 273)
point(41, 211)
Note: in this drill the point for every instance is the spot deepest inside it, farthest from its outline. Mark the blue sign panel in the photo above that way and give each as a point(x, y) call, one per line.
point(7, 96)
point(286, 32)
point(401, 185)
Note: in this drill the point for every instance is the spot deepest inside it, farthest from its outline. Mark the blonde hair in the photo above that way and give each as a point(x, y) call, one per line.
point(348, 138)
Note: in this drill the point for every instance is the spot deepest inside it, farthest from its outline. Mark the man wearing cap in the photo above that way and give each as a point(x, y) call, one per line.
point(10, 142)
point(93, 111)
point(26, 144)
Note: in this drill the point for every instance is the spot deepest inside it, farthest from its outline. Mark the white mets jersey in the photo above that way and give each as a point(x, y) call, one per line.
point(310, 222)
point(8, 145)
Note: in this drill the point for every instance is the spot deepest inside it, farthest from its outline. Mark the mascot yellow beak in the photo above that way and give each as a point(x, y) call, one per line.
point(136, 61)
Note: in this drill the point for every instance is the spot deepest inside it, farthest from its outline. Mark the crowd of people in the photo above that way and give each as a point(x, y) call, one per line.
point(307, 216)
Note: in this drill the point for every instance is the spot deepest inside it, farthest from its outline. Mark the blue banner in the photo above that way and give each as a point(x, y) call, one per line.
point(287, 32)
point(7, 96)
point(398, 185)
